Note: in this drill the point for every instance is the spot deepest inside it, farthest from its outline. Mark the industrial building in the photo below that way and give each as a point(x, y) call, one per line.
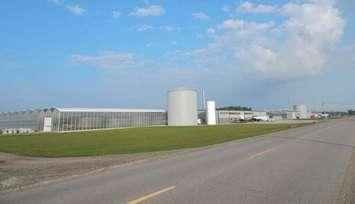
point(72, 119)
point(232, 116)
point(181, 111)
point(282, 115)
point(298, 112)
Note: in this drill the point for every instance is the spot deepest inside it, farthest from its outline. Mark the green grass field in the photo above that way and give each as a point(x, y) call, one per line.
point(131, 140)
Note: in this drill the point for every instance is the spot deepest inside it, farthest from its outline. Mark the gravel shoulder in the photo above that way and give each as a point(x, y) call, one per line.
point(18, 172)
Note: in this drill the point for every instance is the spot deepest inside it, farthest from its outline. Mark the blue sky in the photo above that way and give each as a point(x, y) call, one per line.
point(72, 53)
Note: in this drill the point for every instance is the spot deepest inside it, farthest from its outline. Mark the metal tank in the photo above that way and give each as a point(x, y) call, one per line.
point(211, 113)
point(182, 107)
point(301, 111)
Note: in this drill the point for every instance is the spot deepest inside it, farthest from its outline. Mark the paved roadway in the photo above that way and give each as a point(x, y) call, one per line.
point(303, 165)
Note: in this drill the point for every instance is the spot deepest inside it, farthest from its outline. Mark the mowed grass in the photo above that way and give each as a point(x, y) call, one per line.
point(131, 140)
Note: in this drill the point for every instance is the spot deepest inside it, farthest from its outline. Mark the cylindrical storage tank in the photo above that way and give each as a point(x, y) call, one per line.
point(182, 107)
point(301, 111)
point(211, 113)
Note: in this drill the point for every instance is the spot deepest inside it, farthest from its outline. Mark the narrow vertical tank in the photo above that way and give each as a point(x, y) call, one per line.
point(211, 113)
point(182, 107)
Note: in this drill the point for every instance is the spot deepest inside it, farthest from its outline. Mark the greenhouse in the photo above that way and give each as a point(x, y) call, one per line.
point(73, 119)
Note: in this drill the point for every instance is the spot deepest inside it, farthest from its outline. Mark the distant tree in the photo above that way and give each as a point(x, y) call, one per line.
point(351, 112)
point(235, 108)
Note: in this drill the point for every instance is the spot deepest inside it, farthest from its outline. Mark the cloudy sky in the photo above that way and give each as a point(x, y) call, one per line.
point(264, 54)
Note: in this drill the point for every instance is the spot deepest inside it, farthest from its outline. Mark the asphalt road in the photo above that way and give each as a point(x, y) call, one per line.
point(302, 165)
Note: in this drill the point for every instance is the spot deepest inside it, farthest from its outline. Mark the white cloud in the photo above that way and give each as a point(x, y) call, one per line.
point(199, 36)
point(144, 28)
point(168, 28)
point(300, 45)
point(201, 16)
point(225, 8)
point(107, 60)
point(232, 24)
point(153, 10)
point(249, 7)
point(239, 27)
point(76, 9)
point(259, 57)
point(116, 14)
point(57, 2)
point(308, 35)
point(210, 31)
point(317, 22)
point(150, 44)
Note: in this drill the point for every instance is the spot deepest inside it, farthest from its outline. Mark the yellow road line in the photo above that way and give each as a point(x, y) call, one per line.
point(151, 195)
point(261, 153)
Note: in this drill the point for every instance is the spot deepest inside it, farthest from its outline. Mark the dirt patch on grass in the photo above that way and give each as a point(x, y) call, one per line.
point(17, 172)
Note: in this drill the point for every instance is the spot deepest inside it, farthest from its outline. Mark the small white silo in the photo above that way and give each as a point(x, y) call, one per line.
point(211, 113)
point(301, 111)
point(182, 107)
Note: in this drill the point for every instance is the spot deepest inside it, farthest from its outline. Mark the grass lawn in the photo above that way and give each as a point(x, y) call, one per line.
point(131, 140)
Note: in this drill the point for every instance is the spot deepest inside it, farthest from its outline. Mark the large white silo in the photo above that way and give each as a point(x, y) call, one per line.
point(211, 113)
point(301, 111)
point(182, 107)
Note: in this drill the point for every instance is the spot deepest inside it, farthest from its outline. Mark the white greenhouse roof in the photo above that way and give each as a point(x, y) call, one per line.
point(108, 110)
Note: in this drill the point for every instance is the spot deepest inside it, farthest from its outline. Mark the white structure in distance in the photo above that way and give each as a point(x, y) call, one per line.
point(182, 107)
point(301, 111)
point(211, 113)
